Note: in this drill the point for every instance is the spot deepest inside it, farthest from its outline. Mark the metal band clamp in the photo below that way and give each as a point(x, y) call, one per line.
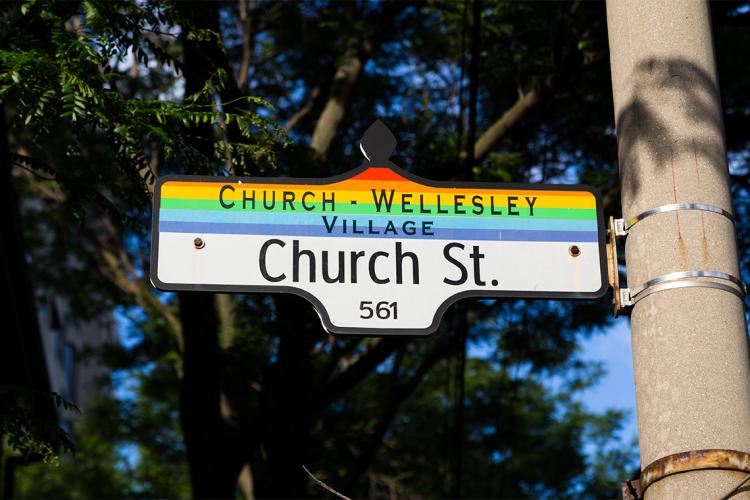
point(683, 279)
point(623, 227)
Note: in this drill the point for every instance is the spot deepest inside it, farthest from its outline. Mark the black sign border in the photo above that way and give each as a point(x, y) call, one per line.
point(320, 309)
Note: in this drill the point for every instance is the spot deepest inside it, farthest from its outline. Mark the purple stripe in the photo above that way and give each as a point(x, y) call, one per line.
point(439, 233)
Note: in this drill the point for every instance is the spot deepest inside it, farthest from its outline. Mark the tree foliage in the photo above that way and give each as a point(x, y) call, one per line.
point(30, 435)
point(58, 75)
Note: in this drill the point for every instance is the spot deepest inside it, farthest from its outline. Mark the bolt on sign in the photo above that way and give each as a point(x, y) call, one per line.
point(378, 250)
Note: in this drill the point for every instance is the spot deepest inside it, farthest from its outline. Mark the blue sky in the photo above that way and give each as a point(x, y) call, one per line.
point(617, 388)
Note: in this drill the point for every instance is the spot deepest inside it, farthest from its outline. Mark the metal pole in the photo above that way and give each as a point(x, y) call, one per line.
point(690, 345)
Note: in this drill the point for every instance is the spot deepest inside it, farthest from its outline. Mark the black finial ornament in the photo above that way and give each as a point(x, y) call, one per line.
point(378, 143)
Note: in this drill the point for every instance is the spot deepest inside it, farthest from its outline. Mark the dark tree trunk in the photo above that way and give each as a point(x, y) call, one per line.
point(23, 367)
point(213, 464)
point(215, 453)
point(286, 412)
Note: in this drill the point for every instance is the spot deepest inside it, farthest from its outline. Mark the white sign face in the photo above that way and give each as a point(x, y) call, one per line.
point(378, 251)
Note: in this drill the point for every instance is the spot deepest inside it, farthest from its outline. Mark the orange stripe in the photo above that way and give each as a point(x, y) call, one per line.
point(401, 186)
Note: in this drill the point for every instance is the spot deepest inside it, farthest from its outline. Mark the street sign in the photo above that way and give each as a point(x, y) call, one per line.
point(378, 250)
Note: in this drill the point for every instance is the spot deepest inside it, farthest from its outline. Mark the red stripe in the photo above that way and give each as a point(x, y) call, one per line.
point(379, 174)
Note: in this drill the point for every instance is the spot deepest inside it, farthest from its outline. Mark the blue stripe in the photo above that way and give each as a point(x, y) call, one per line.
point(320, 230)
point(302, 218)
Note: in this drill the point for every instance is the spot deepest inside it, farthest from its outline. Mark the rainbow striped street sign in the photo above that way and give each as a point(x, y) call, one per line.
point(377, 250)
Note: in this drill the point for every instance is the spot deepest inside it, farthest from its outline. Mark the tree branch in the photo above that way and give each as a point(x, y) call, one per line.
point(492, 136)
point(325, 486)
point(121, 272)
point(529, 100)
point(337, 353)
point(248, 22)
point(395, 397)
point(227, 318)
point(357, 54)
point(336, 106)
point(304, 110)
point(346, 380)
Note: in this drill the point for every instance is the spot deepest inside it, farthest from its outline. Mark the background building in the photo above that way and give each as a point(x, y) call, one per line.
point(70, 352)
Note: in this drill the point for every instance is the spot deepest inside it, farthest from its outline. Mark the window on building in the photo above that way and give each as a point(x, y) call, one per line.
point(70, 371)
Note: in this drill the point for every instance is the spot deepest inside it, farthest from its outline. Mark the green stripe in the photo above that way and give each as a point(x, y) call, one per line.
point(369, 209)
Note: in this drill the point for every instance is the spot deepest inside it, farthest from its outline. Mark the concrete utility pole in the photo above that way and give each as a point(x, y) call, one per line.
point(690, 347)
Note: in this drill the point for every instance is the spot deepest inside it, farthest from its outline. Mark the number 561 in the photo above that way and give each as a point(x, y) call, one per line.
point(383, 310)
